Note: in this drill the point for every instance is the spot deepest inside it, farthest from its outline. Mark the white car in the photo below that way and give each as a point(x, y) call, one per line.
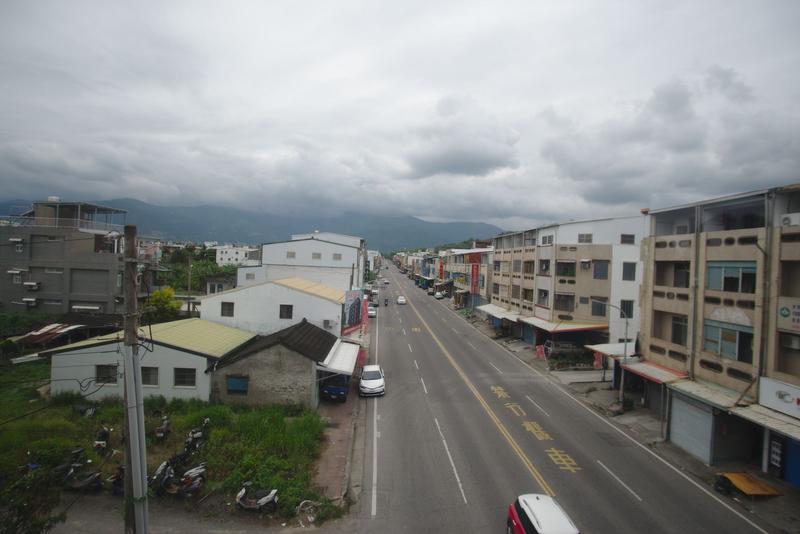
point(438, 295)
point(372, 312)
point(372, 381)
point(401, 299)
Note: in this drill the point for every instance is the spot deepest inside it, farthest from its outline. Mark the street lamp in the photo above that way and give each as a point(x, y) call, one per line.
point(624, 346)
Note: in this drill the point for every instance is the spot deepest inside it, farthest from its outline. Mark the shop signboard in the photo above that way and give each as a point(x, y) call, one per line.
point(779, 396)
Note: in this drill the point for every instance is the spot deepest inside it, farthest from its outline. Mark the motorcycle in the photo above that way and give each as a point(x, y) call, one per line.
point(117, 481)
point(163, 430)
point(80, 480)
point(197, 436)
point(257, 500)
point(385, 302)
point(103, 438)
point(191, 481)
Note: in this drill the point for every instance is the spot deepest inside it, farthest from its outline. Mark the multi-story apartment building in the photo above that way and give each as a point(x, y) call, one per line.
point(470, 271)
point(573, 282)
point(233, 255)
point(61, 257)
point(721, 305)
point(335, 260)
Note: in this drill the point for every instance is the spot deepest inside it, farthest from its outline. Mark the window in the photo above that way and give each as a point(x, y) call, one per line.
point(728, 340)
point(628, 271)
point(286, 311)
point(316, 255)
point(497, 266)
point(584, 300)
point(495, 289)
point(626, 309)
point(600, 269)
point(227, 309)
point(735, 276)
point(290, 254)
point(105, 374)
point(337, 256)
point(543, 298)
point(185, 377)
point(250, 276)
point(237, 385)
point(564, 302)
point(528, 267)
point(517, 266)
point(219, 288)
point(547, 240)
point(544, 266)
point(527, 295)
point(584, 238)
point(514, 292)
point(599, 306)
point(17, 279)
point(681, 276)
point(680, 328)
point(149, 376)
point(565, 268)
point(19, 247)
point(627, 239)
point(119, 279)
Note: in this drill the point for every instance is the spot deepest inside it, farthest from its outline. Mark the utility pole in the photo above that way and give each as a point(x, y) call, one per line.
point(135, 453)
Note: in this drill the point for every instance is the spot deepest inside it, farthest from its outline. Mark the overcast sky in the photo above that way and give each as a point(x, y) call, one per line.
point(514, 113)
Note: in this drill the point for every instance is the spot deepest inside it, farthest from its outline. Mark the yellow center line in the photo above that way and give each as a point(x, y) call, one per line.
point(500, 426)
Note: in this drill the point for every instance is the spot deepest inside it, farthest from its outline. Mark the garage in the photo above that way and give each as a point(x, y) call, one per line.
point(690, 426)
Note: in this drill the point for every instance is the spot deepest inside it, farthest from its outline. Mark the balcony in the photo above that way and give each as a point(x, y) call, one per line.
point(733, 244)
point(671, 299)
point(730, 303)
point(678, 247)
point(790, 243)
point(83, 225)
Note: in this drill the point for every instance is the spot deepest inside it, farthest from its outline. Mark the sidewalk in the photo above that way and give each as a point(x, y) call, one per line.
point(782, 513)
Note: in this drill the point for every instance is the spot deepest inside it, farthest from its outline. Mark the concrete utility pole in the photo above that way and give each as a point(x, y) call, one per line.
point(135, 453)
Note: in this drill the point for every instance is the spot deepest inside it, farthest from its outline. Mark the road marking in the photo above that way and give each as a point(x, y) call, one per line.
point(516, 408)
point(540, 408)
point(404, 331)
point(415, 329)
point(500, 426)
point(500, 392)
point(415, 365)
point(409, 348)
point(423, 385)
point(495, 368)
point(563, 460)
point(375, 433)
point(536, 429)
point(454, 330)
point(619, 480)
point(471, 345)
point(452, 463)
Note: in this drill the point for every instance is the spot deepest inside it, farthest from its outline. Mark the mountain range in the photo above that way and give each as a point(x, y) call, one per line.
point(231, 225)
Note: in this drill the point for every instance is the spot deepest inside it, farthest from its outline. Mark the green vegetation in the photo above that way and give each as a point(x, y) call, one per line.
point(273, 446)
point(203, 265)
point(14, 324)
point(162, 307)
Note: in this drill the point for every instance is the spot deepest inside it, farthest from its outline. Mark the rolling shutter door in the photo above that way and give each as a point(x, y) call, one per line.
point(691, 424)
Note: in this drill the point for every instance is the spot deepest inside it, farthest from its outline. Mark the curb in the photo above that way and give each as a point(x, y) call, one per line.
point(345, 491)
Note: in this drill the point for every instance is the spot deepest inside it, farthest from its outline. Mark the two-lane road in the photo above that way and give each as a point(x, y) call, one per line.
point(465, 427)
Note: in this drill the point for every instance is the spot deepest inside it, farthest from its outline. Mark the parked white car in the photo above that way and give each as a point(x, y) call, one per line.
point(401, 299)
point(372, 381)
point(372, 312)
point(438, 295)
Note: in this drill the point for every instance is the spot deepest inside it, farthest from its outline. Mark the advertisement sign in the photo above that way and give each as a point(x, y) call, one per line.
point(789, 314)
point(779, 396)
point(476, 271)
point(353, 309)
point(441, 271)
point(473, 257)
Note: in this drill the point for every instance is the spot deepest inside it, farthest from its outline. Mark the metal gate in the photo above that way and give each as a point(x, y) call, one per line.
point(690, 426)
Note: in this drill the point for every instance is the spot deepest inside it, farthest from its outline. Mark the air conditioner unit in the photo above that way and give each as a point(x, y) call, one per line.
point(31, 286)
point(790, 219)
point(790, 342)
point(327, 323)
point(30, 301)
point(15, 239)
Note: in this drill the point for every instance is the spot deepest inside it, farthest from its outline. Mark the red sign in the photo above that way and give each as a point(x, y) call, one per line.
point(473, 286)
point(441, 271)
point(473, 257)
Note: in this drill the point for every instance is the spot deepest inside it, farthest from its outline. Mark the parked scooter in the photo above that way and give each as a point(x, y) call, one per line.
point(103, 439)
point(257, 500)
point(163, 430)
point(187, 484)
point(198, 436)
point(81, 480)
point(117, 481)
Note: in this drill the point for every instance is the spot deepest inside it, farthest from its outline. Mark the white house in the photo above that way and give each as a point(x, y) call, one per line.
point(174, 358)
point(339, 264)
point(232, 255)
point(271, 306)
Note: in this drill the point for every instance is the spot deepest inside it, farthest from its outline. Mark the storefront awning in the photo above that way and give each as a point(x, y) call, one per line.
point(768, 418)
point(562, 326)
point(654, 372)
point(717, 396)
point(497, 311)
point(341, 359)
point(614, 349)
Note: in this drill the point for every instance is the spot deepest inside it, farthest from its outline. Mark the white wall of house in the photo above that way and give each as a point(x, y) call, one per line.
point(351, 240)
point(234, 256)
point(257, 309)
point(329, 276)
point(79, 364)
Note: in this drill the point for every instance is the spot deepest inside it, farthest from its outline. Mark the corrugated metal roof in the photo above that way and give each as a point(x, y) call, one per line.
point(313, 288)
point(192, 335)
point(714, 394)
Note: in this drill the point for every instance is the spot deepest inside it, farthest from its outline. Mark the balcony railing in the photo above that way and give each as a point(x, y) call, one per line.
point(51, 222)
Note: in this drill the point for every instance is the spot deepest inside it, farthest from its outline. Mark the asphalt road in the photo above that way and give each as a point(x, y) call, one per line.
point(465, 427)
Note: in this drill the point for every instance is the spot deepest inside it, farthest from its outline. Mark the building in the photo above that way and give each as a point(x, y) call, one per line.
point(470, 271)
point(334, 260)
point(373, 260)
point(233, 255)
point(217, 283)
point(60, 257)
point(269, 307)
point(721, 306)
point(174, 360)
point(574, 283)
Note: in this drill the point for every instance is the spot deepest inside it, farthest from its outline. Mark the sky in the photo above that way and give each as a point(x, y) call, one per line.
point(511, 113)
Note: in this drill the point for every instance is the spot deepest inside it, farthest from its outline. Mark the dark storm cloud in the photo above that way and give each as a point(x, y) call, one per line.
point(727, 82)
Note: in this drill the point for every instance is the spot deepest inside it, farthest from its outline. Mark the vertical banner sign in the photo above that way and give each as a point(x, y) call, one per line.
point(473, 286)
point(441, 271)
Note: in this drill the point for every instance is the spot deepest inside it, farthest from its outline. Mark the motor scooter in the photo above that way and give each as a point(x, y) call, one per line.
point(258, 500)
point(187, 484)
point(103, 438)
point(197, 436)
point(117, 481)
point(163, 430)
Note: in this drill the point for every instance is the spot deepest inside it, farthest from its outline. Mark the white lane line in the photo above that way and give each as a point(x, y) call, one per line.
point(540, 408)
point(454, 330)
point(415, 365)
point(404, 331)
point(409, 348)
point(471, 345)
point(619, 480)
point(399, 318)
point(495, 368)
point(452, 463)
point(375, 432)
point(423, 385)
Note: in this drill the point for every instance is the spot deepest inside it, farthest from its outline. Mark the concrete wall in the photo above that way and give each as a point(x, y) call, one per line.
point(257, 309)
point(79, 364)
point(276, 375)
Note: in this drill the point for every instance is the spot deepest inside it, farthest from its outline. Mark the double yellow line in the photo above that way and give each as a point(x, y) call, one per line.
point(500, 426)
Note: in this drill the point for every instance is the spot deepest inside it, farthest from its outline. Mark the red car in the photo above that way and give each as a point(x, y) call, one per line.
point(538, 514)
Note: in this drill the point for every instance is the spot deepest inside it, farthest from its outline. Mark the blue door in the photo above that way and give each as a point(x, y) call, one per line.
point(791, 466)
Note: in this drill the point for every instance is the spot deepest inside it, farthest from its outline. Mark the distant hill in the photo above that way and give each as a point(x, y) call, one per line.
point(214, 223)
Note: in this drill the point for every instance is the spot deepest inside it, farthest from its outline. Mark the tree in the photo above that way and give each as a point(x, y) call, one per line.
point(26, 505)
point(162, 306)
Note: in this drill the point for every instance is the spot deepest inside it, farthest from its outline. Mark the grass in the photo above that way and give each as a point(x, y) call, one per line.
point(272, 446)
